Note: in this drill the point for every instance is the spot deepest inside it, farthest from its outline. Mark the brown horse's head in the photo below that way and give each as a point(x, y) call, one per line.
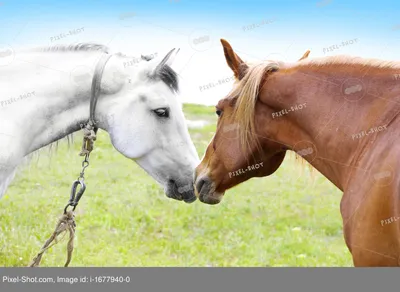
point(241, 148)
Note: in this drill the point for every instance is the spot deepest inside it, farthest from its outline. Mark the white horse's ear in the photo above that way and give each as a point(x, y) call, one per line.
point(171, 58)
point(168, 60)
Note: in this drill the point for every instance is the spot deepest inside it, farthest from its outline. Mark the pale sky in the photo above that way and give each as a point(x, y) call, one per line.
point(271, 31)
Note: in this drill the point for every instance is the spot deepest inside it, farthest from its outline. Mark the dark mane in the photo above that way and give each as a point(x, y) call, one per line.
point(77, 47)
point(169, 77)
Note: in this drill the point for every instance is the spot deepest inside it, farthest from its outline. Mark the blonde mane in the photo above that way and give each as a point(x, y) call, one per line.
point(349, 60)
point(247, 91)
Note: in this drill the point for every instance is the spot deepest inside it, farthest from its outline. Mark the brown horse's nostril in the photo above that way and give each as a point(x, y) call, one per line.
point(200, 184)
point(204, 186)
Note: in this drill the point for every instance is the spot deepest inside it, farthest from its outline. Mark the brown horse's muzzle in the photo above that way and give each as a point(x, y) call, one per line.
point(205, 190)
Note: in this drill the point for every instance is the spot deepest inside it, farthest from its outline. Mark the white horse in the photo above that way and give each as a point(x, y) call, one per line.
point(45, 95)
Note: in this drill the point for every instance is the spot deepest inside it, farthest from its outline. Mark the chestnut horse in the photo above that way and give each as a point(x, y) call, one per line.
point(338, 113)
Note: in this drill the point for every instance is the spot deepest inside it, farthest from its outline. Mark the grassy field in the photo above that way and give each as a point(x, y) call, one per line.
point(291, 218)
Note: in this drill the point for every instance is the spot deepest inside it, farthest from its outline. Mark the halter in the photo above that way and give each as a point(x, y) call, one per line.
point(89, 133)
point(96, 82)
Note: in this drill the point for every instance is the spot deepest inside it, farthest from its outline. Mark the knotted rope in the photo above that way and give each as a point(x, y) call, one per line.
point(67, 220)
point(89, 136)
point(65, 223)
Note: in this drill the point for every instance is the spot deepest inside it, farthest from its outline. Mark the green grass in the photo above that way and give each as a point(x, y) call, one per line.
point(291, 218)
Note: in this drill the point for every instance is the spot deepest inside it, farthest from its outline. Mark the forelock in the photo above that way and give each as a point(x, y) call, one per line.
point(167, 75)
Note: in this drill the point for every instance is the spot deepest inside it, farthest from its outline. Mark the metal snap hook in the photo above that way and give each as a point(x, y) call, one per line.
point(75, 197)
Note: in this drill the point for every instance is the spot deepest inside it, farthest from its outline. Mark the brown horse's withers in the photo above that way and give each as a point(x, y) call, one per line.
point(338, 113)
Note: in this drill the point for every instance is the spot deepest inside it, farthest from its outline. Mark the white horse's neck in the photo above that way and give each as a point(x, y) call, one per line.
point(45, 97)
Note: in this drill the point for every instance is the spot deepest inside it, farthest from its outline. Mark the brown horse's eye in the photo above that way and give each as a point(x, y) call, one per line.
point(218, 112)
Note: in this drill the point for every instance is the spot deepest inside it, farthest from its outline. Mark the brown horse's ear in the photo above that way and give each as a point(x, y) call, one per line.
point(305, 56)
point(237, 65)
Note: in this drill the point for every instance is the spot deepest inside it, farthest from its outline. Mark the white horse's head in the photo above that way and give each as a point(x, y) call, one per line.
point(146, 123)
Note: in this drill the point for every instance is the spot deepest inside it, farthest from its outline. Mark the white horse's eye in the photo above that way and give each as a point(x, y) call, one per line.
point(162, 112)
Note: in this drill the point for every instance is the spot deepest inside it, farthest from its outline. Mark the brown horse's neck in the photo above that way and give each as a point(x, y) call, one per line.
point(331, 114)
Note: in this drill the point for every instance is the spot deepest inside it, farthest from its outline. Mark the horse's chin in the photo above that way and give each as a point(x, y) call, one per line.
point(190, 200)
point(187, 200)
point(180, 193)
point(211, 199)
